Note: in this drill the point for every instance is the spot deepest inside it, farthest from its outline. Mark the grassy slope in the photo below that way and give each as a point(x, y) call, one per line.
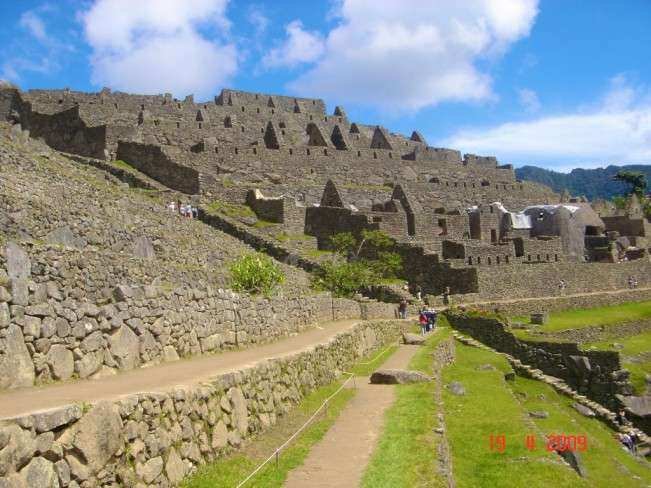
point(607, 464)
point(493, 406)
point(406, 453)
point(490, 408)
point(579, 318)
point(232, 469)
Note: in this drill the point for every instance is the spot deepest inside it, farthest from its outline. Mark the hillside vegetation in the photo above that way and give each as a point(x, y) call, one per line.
point(593, 183)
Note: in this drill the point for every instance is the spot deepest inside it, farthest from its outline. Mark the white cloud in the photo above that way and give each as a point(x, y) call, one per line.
point(155, 46)
point(616, 129)
point(411, 54)
point(301, 46)
point(529, 100)
point(33, 23)
point(258, 19)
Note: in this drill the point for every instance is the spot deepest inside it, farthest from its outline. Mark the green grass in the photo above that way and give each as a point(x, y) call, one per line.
point(290, 236)
point(632, 346)
point(606, 463)
point(639, 371)
point(229, 209)
point(373, 361)
point(579, 318)
point(317, 253)
point(406, 453)
point(233, 469)
point(118, 163)
point(493, 406)
point(489, 408)
point(263, 224)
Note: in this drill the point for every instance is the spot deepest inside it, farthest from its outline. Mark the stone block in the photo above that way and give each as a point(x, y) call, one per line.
point(53, 419)
point(61, 362)
point(98, 435)
point(398, 377)
point(539, 318)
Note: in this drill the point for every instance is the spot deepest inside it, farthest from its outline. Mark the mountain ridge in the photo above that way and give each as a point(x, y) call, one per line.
point(593, 183)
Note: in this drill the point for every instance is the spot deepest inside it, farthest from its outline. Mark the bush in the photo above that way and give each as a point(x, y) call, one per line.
point(255, 273)
point(344, 279)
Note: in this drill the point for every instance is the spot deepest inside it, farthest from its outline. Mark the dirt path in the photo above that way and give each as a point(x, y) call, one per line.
point(340, 458)
point(164, 376)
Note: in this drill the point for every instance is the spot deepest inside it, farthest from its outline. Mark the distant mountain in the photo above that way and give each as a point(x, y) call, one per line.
point(593, 183)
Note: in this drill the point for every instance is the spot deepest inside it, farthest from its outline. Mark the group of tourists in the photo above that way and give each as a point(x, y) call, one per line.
point(427, 320)
point(185, 210)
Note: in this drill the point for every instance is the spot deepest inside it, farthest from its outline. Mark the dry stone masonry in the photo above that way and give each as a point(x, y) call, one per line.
point(457, 219)
point(156, 439)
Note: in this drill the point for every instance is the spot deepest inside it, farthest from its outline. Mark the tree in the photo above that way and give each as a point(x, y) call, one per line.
point(635, 179)
point(363, 261)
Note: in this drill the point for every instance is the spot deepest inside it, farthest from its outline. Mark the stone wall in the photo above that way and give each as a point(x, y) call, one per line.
point(66, 131)
point(596, 374)
point(527, 280)
point(157, 164)
point(555, 303)
point(45, 337)
point(156, 439)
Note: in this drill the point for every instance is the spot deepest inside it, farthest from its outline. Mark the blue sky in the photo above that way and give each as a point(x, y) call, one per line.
point(557, 83)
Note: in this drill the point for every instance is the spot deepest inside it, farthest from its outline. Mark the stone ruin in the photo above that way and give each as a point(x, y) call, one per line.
point(462, 222)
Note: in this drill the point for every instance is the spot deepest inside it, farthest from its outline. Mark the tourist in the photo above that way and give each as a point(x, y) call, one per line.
point(621, 417)
point(431, 319)
point(418, 291)
point(561, 286)
point(402, 309)
point(172, 206)
point(195, 213)
point(626, 440)
point(178, 207)
point(446, 295)
point(422, 319)
point(630, 282)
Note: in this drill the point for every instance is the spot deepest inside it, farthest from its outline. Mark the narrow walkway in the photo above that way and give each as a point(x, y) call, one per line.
point(164, 376)
point(340, 458)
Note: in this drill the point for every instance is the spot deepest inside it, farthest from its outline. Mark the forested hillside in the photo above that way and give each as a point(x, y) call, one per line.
point(593, 183)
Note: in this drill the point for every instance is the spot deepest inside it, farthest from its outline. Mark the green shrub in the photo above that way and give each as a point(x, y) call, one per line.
point(255, 273)
point(345, 278)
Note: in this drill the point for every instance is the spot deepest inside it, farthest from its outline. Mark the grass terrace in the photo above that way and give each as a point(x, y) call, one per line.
point(494, 406)
point(588, 317)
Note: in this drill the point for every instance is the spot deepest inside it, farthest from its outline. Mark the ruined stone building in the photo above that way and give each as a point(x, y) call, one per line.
point(460, 221)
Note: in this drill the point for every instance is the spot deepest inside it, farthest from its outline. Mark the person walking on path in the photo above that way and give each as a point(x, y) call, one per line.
point(402, 309)
point(423, 321)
